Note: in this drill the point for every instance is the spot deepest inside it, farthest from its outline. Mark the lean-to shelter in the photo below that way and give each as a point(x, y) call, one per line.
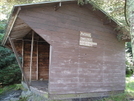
point(67, 50)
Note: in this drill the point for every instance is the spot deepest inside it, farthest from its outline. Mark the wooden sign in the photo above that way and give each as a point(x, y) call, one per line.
point(86, 40)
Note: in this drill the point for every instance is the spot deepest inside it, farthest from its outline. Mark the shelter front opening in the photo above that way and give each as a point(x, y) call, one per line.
point(36, 60)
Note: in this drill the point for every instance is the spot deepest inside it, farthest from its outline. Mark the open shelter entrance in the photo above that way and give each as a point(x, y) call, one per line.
point(35, 54)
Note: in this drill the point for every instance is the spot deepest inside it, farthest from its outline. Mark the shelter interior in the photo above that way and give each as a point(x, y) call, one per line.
point(35, 59)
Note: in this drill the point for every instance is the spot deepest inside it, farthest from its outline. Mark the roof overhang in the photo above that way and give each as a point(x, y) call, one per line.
point(11, 27)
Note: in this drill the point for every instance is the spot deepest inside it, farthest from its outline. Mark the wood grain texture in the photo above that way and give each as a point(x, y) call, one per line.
point(42, 56)
point(75, 68)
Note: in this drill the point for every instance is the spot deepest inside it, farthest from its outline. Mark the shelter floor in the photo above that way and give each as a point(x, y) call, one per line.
point(40, 85)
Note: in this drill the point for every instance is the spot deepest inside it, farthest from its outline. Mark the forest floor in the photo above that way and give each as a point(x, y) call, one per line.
point(11, 95)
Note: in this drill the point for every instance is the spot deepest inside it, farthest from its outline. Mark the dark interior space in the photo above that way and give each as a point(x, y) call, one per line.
point(36, 60)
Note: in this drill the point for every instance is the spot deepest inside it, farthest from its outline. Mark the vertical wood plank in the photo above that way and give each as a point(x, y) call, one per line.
point(22, 58)
point(50, 59)
point(31, 56)
point(19, 62)
point(37, 69)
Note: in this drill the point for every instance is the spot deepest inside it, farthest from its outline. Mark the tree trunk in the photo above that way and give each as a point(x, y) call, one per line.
point(131, 20)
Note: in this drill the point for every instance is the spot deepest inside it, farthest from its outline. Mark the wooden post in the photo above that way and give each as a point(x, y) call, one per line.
point(18, 60)
point(37, 69)
point(22, 58)
point(32, 42)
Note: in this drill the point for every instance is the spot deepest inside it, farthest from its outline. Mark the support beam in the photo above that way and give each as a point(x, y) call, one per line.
point(22, 58)
point(31, 60)
point(18, 60)
point(29, 40)
point(37, 69)
point(10, 26)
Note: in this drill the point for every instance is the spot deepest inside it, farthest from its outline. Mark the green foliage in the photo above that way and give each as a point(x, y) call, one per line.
point(19, 87)
point(2, 26)
point(6, 88)
point(10, 75)
point(10, 87)
point(7, 58)
point(129, 62)
point(115, 8)
point(7, 5)
point(130, 85)
point(1, 36)
point(23, 99)
point(129, 49)
point(9, 70)
point(131, 19)
point(129, 72)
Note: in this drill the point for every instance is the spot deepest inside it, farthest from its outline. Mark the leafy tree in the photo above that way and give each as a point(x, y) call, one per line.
point(7, 5)
point(9, 70)
point(130, 9)
point(129, 49)
point(115, 8)
point(129, 62)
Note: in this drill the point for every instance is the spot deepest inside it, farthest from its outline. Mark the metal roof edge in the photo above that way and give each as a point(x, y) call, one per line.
point(41, 3)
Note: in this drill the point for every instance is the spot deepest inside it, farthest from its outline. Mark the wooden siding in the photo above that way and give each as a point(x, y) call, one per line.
point(19, 27)
point(40, 58)
point(43, 60)
point(75, 68)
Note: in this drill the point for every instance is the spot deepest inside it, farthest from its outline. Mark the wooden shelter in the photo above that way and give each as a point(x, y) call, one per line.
point(67, 50)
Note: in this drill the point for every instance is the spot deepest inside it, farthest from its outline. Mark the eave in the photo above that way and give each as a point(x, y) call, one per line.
point(106, 19)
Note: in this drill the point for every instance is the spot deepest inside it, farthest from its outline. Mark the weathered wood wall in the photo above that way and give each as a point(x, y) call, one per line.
point(75, 68)
point(43, 61)
point(40, 58)
point(40, 65)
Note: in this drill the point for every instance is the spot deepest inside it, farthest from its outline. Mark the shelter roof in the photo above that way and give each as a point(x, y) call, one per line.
point(16, 25)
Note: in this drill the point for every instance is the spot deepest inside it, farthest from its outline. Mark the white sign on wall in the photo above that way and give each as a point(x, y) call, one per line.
point(86, 39)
